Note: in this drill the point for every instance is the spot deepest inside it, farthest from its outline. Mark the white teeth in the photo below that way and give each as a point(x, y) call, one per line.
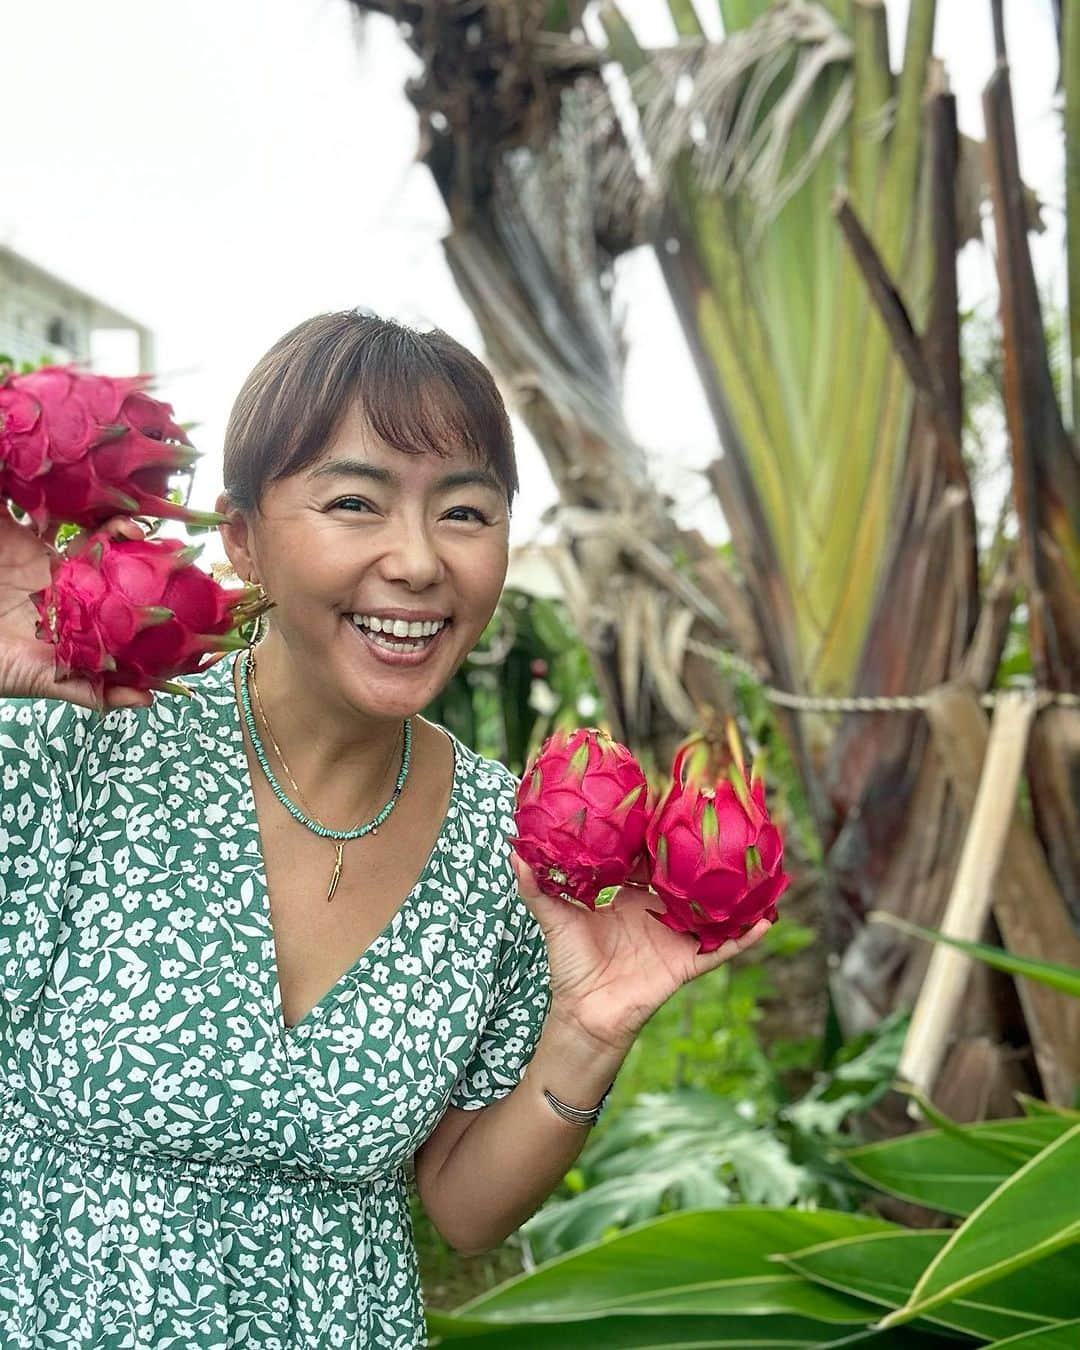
point(398, 628)
point(398, 646)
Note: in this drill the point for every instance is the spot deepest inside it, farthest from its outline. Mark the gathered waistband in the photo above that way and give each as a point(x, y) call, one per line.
point(24, 1137)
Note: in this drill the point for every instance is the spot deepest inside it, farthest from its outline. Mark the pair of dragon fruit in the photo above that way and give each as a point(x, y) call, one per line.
point(77, 449)
point(585, 822)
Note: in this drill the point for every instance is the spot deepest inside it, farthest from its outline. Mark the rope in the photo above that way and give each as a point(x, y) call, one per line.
point(896, 703)
point(630, 530)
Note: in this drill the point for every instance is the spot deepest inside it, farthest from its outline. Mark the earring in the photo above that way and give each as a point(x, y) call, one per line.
point(260, 603)
point(261, 623)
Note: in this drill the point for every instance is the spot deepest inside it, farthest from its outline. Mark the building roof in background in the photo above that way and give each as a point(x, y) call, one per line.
point(15, 265)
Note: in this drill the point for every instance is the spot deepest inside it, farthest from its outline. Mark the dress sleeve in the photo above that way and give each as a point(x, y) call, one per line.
point(40, 740)
point(519, 1008)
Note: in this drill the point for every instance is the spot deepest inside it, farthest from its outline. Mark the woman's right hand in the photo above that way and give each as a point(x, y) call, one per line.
point(26, 663)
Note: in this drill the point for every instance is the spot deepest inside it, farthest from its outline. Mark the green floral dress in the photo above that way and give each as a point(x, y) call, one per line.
point(178, 1168)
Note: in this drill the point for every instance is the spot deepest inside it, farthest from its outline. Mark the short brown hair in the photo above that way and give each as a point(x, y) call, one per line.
point(419, 391)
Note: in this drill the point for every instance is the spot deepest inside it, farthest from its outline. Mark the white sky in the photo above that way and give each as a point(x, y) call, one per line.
point(222, 169)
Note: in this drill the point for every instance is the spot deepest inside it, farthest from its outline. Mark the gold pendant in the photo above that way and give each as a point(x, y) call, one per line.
point(337, 872)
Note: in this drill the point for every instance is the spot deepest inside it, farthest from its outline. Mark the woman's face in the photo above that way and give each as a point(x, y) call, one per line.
point(366, 535)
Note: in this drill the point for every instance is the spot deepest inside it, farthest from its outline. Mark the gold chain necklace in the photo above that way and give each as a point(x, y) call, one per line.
point(340, 843)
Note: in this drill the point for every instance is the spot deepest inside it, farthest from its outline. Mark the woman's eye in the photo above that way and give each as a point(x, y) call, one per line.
point(359, 504)
point(472, 511)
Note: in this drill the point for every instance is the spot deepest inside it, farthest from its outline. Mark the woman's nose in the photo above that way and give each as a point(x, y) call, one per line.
point(412, 556)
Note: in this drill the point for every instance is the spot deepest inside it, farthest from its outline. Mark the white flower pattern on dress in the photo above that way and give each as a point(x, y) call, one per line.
point(177, 1169)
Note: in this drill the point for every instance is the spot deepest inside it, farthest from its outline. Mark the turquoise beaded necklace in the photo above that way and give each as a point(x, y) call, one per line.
point(341, 836)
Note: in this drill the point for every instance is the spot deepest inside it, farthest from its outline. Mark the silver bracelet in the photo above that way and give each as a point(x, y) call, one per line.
point(575, 1114)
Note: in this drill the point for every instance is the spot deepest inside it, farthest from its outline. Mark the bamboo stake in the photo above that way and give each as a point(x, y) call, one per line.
point(970, 899)
point(1029, 908)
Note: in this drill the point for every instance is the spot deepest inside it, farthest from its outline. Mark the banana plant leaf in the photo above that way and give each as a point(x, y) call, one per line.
point(955, 1172)
point(1030, 1216)
point(885, 1267)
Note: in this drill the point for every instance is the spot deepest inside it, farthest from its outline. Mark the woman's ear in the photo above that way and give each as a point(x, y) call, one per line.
point(236, 536)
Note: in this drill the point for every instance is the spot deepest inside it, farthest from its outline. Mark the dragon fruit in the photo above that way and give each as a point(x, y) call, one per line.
point(136, 612)
point(582, 806)
point(78, 448)
point(716, 859)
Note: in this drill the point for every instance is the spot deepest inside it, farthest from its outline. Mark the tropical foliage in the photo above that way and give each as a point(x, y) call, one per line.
point(1004, 1274)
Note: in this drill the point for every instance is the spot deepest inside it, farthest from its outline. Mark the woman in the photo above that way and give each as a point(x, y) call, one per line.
point(264, 949)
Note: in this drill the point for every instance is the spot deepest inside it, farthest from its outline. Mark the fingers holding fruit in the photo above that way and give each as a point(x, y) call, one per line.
point(705, 962)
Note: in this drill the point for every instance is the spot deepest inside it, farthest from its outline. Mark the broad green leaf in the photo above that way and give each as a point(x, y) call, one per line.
point(954, 1172)
point(885, 1268)
point(675, 1333)
point(1030, 1216)
point(1065, 1336)
point(715, 1261)
point(1066, 979)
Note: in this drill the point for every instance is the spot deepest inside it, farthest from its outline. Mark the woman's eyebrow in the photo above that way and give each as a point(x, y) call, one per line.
point(359, 468)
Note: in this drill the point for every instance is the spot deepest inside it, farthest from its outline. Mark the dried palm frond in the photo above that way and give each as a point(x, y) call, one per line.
point(732, 109)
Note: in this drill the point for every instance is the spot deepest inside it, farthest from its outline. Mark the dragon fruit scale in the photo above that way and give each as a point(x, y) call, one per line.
point(581, 812)
point(716, 859)
point(78, 448)
point(136, 612)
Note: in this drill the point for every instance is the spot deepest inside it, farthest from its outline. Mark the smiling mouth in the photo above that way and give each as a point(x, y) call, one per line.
point(388, 633)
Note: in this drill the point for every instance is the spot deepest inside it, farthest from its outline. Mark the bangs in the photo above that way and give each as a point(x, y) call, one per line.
point(421, 393)
point(409, 398)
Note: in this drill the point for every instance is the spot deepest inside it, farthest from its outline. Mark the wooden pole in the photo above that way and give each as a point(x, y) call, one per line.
point(969, 902)
point(1029, 907)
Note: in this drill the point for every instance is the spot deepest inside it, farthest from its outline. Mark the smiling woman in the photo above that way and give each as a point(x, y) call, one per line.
point(214, 1082)
point(265, 948)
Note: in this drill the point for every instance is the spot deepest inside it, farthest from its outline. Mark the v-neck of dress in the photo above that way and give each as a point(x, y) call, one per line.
point(233, 718)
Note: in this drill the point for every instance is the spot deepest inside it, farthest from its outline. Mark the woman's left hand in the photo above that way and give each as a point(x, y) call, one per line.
point(613, 968)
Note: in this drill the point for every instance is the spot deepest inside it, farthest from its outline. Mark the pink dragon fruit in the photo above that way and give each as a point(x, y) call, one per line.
point(78, 448)
point(136, 612)
point(716, 857)
point(582, 806)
